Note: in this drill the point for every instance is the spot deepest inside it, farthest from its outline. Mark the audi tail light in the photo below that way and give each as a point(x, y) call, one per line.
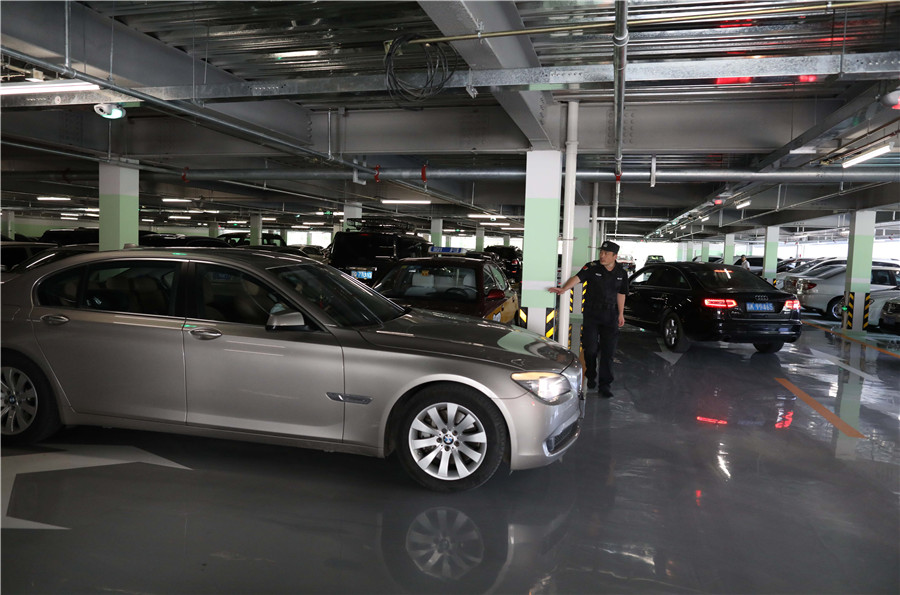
point(720, 303)
point(791, 305)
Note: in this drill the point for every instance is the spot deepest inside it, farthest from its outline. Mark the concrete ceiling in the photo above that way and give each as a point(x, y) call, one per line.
point(286, 108)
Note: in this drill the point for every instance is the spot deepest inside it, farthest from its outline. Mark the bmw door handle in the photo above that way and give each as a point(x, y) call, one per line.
point(54, 319)
point(206, 333)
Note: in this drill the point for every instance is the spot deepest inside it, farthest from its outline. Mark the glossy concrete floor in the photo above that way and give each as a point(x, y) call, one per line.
point(717, 471)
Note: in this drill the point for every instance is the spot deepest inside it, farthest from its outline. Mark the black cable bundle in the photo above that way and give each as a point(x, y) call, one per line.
point(438, 69)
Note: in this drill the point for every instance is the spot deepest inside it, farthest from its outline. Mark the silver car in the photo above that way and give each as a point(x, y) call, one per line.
point(276, 348)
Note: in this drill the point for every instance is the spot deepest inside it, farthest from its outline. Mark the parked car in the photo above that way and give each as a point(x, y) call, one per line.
point(267, 347)
point(454, 284)
point(877, 301)
point(654, 258)
point(511, 257)
point(242, 238)
point(824, 292)
point(47, 256)
point(695, 301)
point(756, 263)
point(178, 240)
point(311, 251)
point(295, 250)
point(818, 267)
point(13, 252)
point(890, 315)
point(781, 277)
point(368, 254)
point(627, 262)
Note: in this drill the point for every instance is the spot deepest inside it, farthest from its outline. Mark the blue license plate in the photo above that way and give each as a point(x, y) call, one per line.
point(760, 307)
point(362, 274)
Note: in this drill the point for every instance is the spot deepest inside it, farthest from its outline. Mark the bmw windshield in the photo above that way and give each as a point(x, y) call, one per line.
point(348, 302)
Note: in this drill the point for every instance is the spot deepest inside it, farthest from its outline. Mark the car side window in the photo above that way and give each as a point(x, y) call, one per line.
point(60, 290)
point(490, 282)
point(230, 295)
point(672, 278)
point(499, 277)
point(138, 287)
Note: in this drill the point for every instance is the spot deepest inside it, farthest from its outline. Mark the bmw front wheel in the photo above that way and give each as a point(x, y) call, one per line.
point(28, 412)
point(450, 440)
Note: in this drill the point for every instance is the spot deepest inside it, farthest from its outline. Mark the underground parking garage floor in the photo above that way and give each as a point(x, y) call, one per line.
point(717, 471)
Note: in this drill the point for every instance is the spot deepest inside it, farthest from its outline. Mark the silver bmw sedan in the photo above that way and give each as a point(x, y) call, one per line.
point(270, 347)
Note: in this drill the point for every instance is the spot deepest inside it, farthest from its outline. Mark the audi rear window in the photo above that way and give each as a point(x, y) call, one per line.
point(731, 278)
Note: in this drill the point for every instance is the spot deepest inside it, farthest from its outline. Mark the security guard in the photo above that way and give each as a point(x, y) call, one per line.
point(604, 313)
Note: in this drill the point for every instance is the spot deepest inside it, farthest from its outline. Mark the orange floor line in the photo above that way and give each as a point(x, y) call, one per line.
point(828, 330)
point(835, 420)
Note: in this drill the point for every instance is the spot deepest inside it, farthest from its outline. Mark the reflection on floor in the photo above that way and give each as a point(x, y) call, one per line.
point(717, 471)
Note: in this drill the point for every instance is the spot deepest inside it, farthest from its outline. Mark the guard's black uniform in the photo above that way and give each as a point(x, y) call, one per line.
point(600, 330)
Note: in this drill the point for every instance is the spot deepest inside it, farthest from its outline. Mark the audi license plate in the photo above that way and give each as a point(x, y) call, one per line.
point(760, 307)
point(362, 274)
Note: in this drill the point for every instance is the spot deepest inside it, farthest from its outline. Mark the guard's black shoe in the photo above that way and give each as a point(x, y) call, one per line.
point(592, 384)
point(605, 392)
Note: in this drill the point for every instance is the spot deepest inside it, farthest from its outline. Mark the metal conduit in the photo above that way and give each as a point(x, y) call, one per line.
point(786, 176)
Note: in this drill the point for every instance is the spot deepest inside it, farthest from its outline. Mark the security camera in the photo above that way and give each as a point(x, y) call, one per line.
point(109, 110)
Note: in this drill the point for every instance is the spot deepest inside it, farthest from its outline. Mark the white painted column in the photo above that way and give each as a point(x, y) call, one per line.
point(770, 256)
point(860, 246)
point(213, 229)
point(255, 230)
point(728, 250)
point(543, 185)
point(437, 232)
point(352, 210)
point(8, 224)
point(119, 206)
point(479, 238)
point(704, 251)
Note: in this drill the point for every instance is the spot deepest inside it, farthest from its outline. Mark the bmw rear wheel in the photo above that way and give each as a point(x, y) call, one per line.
point(28, 412)
point(673, 334)
point(450, 440)
point(834, 310)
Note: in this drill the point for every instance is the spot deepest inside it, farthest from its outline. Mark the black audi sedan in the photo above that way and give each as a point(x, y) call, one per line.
point(697, 301)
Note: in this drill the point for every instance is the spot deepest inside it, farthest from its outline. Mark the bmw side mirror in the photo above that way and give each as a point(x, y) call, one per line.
point(290, 320)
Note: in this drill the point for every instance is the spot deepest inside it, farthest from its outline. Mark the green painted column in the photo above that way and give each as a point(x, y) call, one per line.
point(770, 256)
point(543, 189)
point(352, 210)
point(119, 206)
point(704, 251)
point(859, 269)
point(479, 238)
point(728, 249)
point(214, 229)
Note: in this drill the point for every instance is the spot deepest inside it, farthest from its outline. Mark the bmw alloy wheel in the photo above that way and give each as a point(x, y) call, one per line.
point(447, 441)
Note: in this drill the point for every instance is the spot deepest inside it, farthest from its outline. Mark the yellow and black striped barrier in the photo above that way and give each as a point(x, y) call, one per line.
point(549, 322)
point(849, 308)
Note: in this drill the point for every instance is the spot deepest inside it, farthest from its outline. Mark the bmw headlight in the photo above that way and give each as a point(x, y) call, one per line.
point(549, 387)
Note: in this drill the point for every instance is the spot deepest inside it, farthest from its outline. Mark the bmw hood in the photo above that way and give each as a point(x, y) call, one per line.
point(443, 333)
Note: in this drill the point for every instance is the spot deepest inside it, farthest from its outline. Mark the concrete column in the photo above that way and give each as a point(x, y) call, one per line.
point(543, 188)
point(506, 240)
point(770, 256)
point(336, 228)
point(352, 210)
point(479, 238)
point(437, 232)
point(581, 252)
point(214, 229)
point(728, 250)
point(119, 206)
point(704, 251)
point(859, 268)
point(8, 224)
point(255, 230)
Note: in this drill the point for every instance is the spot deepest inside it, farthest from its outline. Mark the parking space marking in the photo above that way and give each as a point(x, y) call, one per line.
point(832, 418)
point(842, 335)
point(837, 362)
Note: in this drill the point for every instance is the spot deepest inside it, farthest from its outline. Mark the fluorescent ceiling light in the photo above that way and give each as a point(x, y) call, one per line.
point(636, 219)
point(386, 201)
point(486, 216)
point(320, 213)
point(179, 216)
point(176, 200)
point(148, 220)
point(515, 229)
point(741, 205)
point(68, 218)
point(53, 198)
point(299, 226)
point(705, 218)
point(297, 54)
point(495, 224)
point(237, 222)
point(868, 155)
point(269, 219)
point(60, 86)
